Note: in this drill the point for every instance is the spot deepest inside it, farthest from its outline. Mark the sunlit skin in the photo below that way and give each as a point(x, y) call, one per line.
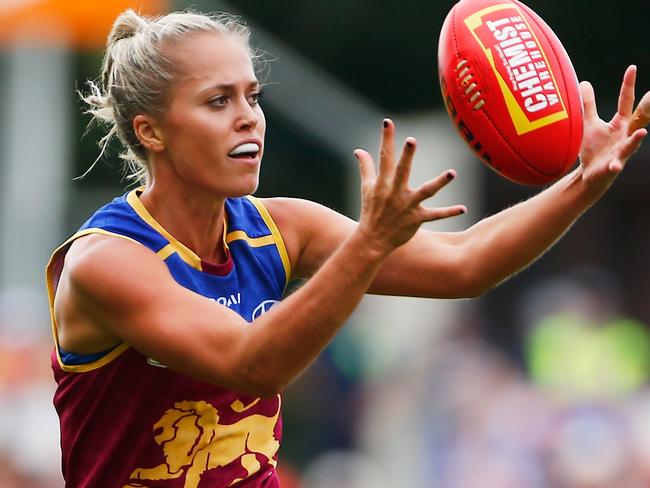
point(212, 108)
point(204, 145)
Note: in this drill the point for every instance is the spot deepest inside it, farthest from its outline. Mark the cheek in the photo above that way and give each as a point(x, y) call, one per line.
point(193, 133)
point(262, 121)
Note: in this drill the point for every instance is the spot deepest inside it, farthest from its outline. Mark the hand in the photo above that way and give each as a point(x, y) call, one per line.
point(606, 146)
point(641, 116)
point(391, 211)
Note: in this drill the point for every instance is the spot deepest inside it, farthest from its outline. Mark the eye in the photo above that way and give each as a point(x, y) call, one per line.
point(255, 97)
point(219, 101)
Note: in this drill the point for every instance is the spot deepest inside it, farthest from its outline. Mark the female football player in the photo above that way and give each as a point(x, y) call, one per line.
point(172, 340)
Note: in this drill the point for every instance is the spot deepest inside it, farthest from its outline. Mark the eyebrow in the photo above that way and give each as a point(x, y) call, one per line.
point(228, 86)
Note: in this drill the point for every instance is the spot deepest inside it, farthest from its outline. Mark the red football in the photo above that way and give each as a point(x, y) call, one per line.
point(510, 89)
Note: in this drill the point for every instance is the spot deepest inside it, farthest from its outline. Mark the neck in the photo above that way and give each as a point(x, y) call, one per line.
point(194, 218)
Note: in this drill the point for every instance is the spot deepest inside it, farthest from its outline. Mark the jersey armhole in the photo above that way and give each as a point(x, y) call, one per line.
point(52, 275)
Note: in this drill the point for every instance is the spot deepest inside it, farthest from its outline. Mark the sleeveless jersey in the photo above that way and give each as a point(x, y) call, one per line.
point(127, 420)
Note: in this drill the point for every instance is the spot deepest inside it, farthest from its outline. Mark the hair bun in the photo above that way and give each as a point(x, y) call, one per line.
point(126, 25)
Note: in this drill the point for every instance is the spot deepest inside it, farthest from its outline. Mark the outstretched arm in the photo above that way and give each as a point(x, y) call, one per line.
point(503, 244)
point(469, 263)
point(136, 300)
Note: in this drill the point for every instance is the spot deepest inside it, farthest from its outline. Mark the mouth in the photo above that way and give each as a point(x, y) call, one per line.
point(247, 151)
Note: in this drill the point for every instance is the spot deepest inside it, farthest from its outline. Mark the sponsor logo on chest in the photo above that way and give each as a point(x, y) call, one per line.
point(228, 300)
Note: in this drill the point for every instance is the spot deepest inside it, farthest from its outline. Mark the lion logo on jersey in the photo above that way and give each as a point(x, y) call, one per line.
point(194, 442)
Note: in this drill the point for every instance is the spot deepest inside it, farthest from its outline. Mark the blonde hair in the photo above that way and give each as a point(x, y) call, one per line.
point(136, 76)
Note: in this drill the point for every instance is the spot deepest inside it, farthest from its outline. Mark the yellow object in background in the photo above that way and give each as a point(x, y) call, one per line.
point(575, 357)
point(74, 23)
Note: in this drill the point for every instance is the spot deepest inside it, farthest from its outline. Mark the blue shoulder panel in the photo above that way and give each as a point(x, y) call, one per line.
point(119, 217)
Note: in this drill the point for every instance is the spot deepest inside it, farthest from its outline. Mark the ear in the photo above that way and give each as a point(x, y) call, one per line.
point(149, 133)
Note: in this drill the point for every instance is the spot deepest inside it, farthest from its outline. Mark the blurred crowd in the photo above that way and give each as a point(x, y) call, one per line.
point(575, 414)
point(29, 430)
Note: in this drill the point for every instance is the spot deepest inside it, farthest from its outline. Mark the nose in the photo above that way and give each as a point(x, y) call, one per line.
point(247, 116)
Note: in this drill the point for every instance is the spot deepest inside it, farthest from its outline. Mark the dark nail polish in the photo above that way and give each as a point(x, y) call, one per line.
point(385, 123)
point(450, 176)
point(409, 144)
point(461, 211)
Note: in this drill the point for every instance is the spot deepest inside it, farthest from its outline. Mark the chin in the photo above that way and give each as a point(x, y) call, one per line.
point(243, 190)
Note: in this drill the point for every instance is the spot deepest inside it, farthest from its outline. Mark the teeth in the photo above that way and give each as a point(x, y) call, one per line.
point(249, 147)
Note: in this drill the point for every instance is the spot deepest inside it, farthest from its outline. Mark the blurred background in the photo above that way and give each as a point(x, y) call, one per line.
point(543, 382)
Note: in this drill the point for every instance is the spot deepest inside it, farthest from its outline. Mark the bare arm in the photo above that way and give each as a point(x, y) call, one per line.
point(135, 299)
point(503, 244)
point(469, 263)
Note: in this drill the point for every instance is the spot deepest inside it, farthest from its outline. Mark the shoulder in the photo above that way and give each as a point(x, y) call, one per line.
point(101, 275)
point(301, 218)
point(284, 209)
point(98, 246)
point(311, 231)
point(101, 265)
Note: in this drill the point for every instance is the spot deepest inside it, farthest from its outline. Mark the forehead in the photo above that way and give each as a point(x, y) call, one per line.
point(211, 58)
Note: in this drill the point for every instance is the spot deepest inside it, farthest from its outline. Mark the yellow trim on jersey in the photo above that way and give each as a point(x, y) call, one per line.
point(104, 360)
point(166, 251)
point(237, 235)
point(51, 290)
point(275, 233)
point(185, 253)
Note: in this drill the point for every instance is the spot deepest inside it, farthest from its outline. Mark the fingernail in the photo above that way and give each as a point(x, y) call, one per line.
point(385, 123)
point(461, 211)
point(409, 143)
point(450, 175)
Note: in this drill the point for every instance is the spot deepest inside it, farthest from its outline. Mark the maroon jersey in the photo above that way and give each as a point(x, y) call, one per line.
point(126, 420)
point(120, 429)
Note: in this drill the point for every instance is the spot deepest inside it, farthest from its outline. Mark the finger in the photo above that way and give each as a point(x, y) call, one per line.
point(431, 187)
point(641, 116)
point(387, 150)
point(615, 167)
point(431, 214)
point(626, 96)
point(588, 101)
point(366, 167)
point(632, 144)
point(403, 170)
point(628, 148)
